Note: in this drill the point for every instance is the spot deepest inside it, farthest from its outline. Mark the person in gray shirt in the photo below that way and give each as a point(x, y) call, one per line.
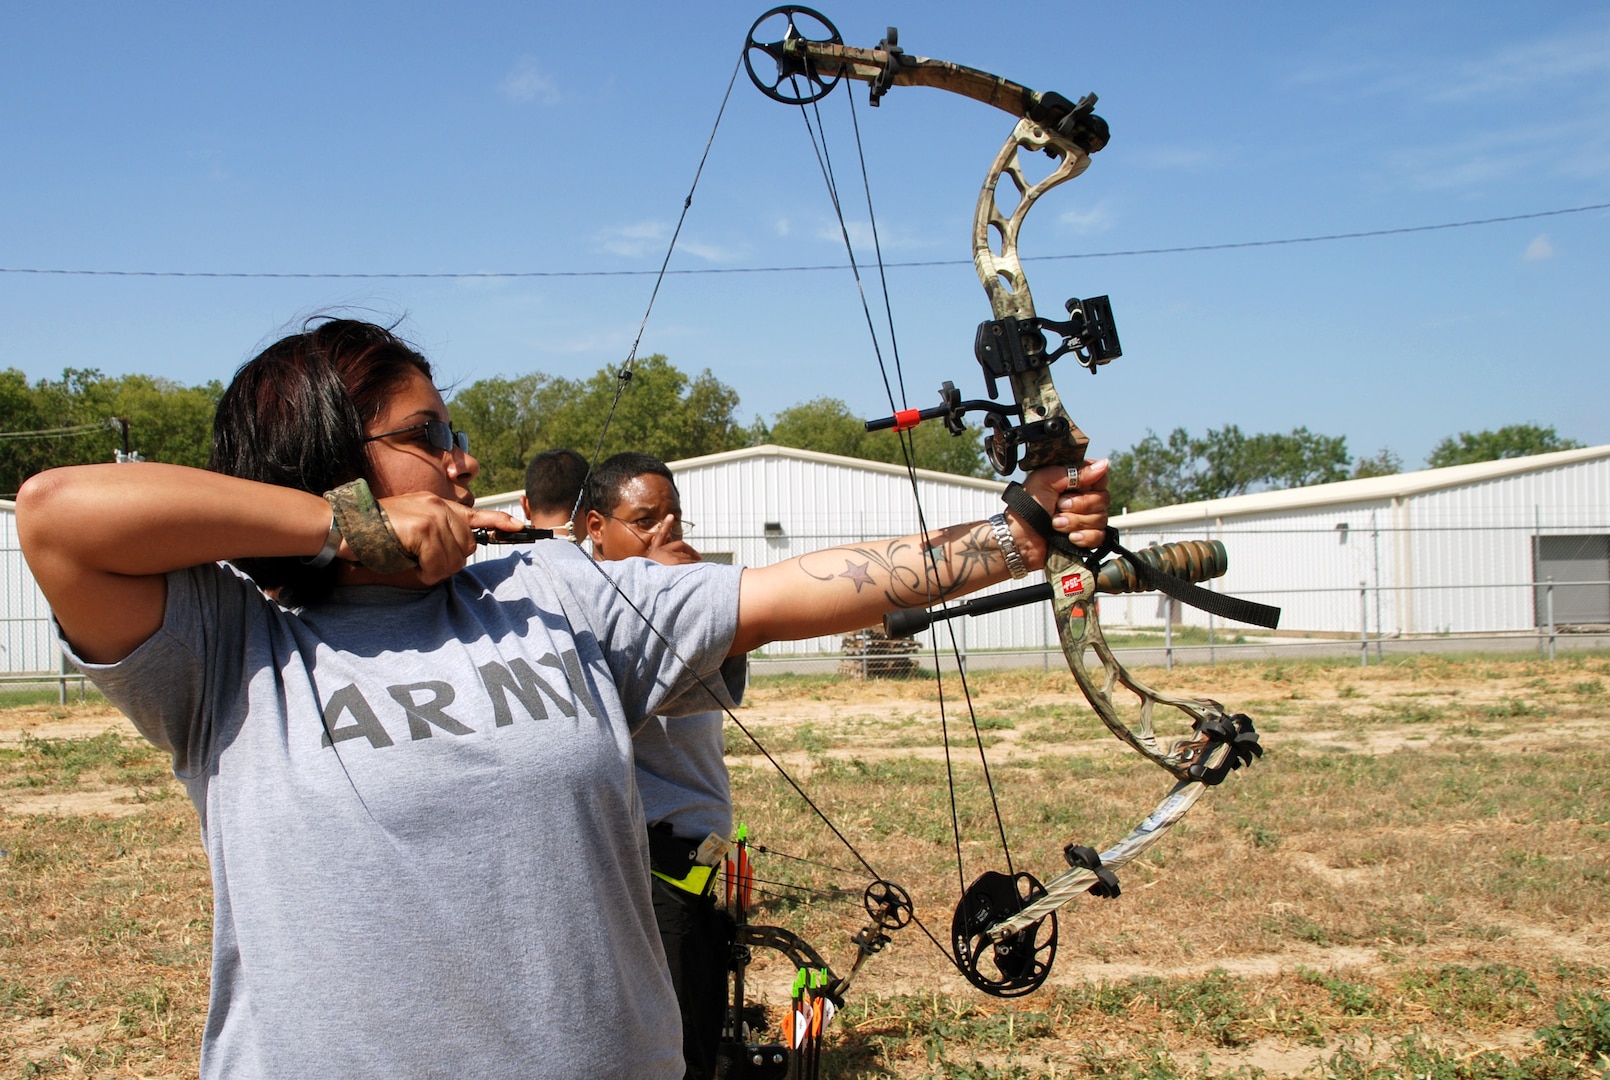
point(414, 779)
point(635, 511)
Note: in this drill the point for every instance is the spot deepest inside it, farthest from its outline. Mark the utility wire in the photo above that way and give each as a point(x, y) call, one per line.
point(1187, 249)
point(54, 433)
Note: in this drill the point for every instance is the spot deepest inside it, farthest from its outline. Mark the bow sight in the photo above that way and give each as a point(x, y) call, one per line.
point(1017, 346)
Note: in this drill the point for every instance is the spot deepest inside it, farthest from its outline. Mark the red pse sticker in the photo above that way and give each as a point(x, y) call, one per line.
point(1072, 585)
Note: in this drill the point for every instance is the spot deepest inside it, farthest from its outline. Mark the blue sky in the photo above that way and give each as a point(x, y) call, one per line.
point(411, 138)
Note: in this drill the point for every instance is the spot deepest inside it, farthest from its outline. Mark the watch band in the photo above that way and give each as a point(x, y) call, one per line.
point(1008, 546)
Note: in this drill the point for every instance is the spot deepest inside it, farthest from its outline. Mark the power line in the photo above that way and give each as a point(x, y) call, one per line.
point(54, 433)
point(488, 275)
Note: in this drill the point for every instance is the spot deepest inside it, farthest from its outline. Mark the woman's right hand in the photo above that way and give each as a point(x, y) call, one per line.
point(437, 532)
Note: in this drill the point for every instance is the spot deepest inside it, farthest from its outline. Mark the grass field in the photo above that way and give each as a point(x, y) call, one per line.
point(1414, 881)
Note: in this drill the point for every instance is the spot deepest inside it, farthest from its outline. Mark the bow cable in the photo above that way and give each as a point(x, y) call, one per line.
point(623, 378)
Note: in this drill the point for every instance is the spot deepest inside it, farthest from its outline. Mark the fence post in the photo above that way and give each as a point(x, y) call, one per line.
point(1549, 600)
point(1363, 624)
point(1168, 634)
point(1045, 638)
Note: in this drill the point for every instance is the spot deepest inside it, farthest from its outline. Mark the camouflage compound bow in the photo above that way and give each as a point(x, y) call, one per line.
point(1003, 934)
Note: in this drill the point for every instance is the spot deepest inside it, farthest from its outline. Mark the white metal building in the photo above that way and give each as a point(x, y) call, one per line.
point(1472, 548)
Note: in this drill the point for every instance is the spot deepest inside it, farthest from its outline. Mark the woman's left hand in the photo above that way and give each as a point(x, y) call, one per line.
point(1077, 502)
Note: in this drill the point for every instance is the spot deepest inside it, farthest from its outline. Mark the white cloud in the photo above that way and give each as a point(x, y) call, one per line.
point(1539, 249)
point(633, 241)
point(1514, 69)
point(644, 239)
point(1093, 219)
point(1520, 67)
point(526, 82)
point(889, 238)
point(707, 252)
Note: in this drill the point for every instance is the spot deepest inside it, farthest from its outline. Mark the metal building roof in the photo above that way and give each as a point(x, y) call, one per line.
point(1369, 489)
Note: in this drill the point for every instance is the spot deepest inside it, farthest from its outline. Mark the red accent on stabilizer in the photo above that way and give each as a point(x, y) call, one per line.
point(906, 419)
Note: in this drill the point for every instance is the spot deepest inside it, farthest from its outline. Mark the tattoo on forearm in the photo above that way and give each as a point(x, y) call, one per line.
point(954, 560)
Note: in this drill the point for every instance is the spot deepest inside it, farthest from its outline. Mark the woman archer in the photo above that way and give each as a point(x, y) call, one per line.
point(414, 778)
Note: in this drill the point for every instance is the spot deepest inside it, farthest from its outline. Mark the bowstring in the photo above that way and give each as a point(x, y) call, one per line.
point(623, 377)
point(908, 450)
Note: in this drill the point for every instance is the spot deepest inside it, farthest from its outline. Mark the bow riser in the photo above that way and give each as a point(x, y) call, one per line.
point(1006, 285)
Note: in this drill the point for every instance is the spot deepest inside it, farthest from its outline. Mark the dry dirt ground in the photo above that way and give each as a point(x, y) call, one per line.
point(1422, 850)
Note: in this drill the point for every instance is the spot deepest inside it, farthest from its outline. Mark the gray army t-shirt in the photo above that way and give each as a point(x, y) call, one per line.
point(427, 846)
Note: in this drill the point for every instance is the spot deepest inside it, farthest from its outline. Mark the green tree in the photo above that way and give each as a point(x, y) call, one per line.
point(507, 423)
point(827, 426)
point(1516, 440)
point(68, 421)
point(1221, 463)
point(167, 421)
point(1384, 463)
point(662, 411)
point(1153, 472)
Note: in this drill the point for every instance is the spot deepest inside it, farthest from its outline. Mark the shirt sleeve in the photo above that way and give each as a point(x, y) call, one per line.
point(665, 632)
point(164, 685)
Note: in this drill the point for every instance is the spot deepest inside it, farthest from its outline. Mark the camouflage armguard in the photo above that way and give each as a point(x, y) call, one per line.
point(367, 530)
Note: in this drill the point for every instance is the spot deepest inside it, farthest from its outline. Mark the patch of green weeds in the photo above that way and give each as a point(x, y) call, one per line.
point(1583, 1029)
point(1459, 994)
point(1353, 999)
point(1299, 927)
point(1513, 709)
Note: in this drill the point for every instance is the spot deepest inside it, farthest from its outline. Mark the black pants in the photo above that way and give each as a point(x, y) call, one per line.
point(698, 944)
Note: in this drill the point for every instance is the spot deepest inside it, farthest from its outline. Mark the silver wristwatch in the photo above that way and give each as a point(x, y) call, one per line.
point(1008, 546)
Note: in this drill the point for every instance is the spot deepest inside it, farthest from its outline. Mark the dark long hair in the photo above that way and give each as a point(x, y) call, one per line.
point(294, 415)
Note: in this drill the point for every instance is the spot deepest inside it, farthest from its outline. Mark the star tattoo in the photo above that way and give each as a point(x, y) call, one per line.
point(857, 574)
point(973, 553)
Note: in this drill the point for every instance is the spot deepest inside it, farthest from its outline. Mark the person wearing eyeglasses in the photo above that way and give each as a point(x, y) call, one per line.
point(635, 511)
point(415, 777)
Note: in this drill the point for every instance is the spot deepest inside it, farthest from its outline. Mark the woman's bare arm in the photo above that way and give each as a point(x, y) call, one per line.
point(99, 539)
point(848, 587)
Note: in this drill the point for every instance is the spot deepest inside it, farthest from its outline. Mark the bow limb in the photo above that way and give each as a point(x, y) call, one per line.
point(822, 62)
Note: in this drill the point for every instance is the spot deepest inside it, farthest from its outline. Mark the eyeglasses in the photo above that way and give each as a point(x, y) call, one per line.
point(651, 525)
point(438, 433)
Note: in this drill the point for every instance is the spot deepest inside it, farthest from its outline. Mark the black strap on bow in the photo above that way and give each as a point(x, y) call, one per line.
point(1220, 604)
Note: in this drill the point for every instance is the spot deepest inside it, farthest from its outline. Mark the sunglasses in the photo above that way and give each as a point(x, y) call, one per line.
point(438, 433)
